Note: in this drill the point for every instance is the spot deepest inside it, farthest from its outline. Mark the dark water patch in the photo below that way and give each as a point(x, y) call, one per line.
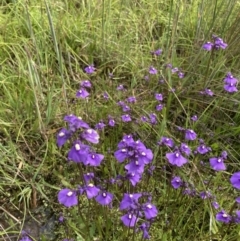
point(39, 224)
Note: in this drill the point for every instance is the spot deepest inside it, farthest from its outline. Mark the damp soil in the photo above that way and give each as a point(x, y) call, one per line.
point(39, 223)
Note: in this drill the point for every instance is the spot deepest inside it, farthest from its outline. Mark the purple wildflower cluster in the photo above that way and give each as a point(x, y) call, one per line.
point(217, 43)
point(230, 83)
point(137, 156)
point(187, 150)
point(177, 158)
point(234, 216)
point(137, 211)
point(159, 98)
point(135, 153)
point(86, 133)
point(216, 163)
point(176, 70)
point(184, 153)
point(80, 152)
point(82, 92)
point(154, 71)
point(85, 85)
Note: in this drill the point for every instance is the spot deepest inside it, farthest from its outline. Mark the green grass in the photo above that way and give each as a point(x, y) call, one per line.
point(44, 47)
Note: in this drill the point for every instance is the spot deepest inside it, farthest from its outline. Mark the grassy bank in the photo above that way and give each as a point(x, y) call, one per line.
point(45, 48)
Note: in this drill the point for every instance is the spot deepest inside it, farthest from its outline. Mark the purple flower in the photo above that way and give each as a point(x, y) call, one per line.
point(184, 148)
point(223, 217)
point(208, 92)
point(88, 177)
point(144, 155)
point(230, 83)
point(179, 128)
point(111, 121)
point(94, 159)
point(166, 141)
point(235, 180)
point(175, 70)
point(152, 70)
point(61, 218)
point(144, 119)
point(190, 135)
point(126, 118)
point(131, 99)
point(91, 190)
point(159, 107)
point(158, 97)
point(90, 69)
point(176, 158)
point(208, 46)
point(75, 122)
point(25, 238)
point(153, 118)
point(229, 79)
point(150, 211)
point(157, 52)
point(126, 141)
point(120, 87)
point(218, 43)
point(169, 66)
point(203, 149)
point(180, 74)
point(82, 93)
point(104, 198)
point(205, 195)
point(125, 108)
point(231, 88)
point(224, 155)
point(138, 145)
point(176, 182)
point(217, 164)
point(133, 177)
point(90, 135)
point(190, 192)
point(145, 228)
point(100, 125)
point(121, 155)
point(130, 201)
point(105, 95)
point(63, 136)
point(78, 152)
point(86, 84)
point(129, 220)
point(194, 118)
point(215, 205)
point(67, 197)
point(135, 166)
point(121, 103)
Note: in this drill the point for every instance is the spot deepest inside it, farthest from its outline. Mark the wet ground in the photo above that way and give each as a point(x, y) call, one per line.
point(39, 224)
